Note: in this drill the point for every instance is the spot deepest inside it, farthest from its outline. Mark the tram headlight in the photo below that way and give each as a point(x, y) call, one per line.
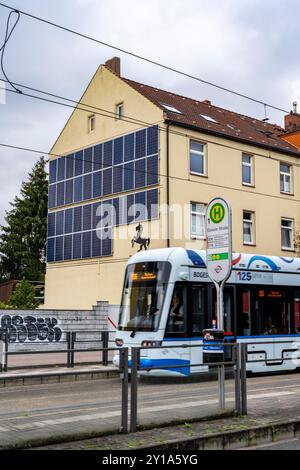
point(151, 344)
point(119, 342)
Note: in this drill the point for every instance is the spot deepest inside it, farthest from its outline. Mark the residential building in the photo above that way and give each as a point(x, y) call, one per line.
point(157, 158)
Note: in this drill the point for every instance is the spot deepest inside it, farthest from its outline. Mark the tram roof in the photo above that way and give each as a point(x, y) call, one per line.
point(197, 258)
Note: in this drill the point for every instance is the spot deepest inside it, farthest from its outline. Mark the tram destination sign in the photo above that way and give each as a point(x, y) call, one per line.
point(219, 242)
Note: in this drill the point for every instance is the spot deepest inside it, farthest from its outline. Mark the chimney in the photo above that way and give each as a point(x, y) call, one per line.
point(114, 65)
point(292, 120)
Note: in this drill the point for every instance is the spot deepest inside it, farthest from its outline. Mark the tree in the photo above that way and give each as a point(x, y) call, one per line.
point(24, 296)
point(23, 238)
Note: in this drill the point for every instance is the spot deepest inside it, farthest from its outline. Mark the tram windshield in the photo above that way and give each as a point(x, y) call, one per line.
point(143, 295)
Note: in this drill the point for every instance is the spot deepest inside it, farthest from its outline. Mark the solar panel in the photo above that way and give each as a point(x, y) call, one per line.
point(51, 250)
point(116, 211)
point(152, 203)
point(97, 158)
point(70, 166)
point(87, 217)
point(69, 196)
point(61, 168)
point(78, 189)
point(118, 151)
point(60, 194)
point(96, 244)
point(140, 206)
point(130, 208)
point(86, 244)
point(59, 248)
point(77, 245)
point(152, 140)
point(107, 181)
point(128, 176)
point(87, 187)
point(59, 225)
point(68, 221)
point(52, 196)
point(96, 208)
point(51, 224)
point(128, 147)
point(88, 160)
point(68, 247)
point(77, 219)
point(140, 143)
point(78, 163)
point(118, 179)
point(97, 184)
point(106, 242)
point(140, 173)
point(52, 171)
point(107, 153)
point(152, 170)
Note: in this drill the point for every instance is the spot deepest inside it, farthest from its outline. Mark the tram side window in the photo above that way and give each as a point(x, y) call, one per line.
point(244, 319)
point(199, 313)
point(297, 311)
point(177, 320)
point(272, 312)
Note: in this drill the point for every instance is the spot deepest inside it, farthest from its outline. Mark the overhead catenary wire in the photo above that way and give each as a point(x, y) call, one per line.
point(145, 59)
point(6, 39)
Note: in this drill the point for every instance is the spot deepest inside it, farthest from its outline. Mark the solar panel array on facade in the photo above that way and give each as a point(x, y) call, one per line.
point(127, 163)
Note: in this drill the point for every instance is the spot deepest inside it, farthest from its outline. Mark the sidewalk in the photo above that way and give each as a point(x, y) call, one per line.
point(219, 434)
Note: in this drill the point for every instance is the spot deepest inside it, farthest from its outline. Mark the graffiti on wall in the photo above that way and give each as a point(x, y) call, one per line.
point(30, 328)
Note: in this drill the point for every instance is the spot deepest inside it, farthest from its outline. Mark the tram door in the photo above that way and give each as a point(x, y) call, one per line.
point(228, 296)
point(272, 320)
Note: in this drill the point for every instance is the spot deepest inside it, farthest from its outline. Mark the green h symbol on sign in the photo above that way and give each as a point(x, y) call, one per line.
point(217, 213)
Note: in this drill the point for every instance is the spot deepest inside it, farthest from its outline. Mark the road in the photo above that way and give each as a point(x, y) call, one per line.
point(92, 406)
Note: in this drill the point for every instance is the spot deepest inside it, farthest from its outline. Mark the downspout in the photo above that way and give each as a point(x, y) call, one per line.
point(168, 187)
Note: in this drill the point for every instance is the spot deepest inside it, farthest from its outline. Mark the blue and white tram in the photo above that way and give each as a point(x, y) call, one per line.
point(168, 299)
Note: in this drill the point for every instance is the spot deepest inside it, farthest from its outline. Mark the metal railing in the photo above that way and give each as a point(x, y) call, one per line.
point(72, 339)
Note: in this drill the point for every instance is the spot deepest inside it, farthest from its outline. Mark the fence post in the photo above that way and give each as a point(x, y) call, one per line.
point(135, 360)
point(237, 377)
point(4, 353)
point(73, 340)
point(124, 377)
point(104, 338)
point(244, 354)
point(68, 339)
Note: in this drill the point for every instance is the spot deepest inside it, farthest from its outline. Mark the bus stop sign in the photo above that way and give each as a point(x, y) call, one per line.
point(219, 243)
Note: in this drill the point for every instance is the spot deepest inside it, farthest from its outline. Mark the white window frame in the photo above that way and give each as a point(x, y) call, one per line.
point(91, 123)
point(249, 165)
point(199, 212)
point(119, 111)
point(291, 230)
point(286, 177)
point(200, 154)
point(251, 222)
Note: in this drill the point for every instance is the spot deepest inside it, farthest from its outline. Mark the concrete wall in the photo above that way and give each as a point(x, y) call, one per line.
point(37, 329)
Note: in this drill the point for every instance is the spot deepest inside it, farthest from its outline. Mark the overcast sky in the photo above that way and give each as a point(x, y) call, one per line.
point(251, 46)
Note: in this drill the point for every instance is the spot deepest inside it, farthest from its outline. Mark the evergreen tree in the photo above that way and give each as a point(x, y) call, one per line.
point(22, 241)
point(24, 296)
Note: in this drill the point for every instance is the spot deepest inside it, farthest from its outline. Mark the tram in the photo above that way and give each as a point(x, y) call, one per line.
point(168, 300)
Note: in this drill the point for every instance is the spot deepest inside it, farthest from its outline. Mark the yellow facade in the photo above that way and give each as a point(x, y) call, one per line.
point(80, 284)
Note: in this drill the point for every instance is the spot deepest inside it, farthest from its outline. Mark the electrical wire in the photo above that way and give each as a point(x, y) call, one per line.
point(145, 59)
point(162, 175)
point(7, 37)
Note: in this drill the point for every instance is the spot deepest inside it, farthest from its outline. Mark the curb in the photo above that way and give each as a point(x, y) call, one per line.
point(56, 377)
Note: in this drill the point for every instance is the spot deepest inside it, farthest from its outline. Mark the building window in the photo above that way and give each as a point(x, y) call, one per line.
point(91, 123)
point(248, 227)
point(247, 169)
point(197, 220)
point(285, 178)
point(120, 111)
point(197, 157)
point(287, 234)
